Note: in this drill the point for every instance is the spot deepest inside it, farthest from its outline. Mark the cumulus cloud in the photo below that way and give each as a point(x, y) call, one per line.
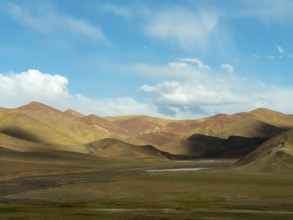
point(228, 67)
point(44, 17)
point(182, 28)
point(190, 96)
point(32, 85)
point(21, 88)
point(208, 92)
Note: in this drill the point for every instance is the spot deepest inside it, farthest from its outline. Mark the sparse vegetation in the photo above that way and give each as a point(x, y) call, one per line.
point(48, 175)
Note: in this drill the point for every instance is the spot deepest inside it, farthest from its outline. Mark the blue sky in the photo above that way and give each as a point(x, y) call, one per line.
point(169, 58)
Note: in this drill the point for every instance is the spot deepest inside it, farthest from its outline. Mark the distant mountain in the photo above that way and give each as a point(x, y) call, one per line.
point(61, 122)
point(34, 107)
point(36, 126)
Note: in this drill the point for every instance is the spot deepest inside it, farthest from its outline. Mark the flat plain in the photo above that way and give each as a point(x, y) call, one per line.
point(90, 188)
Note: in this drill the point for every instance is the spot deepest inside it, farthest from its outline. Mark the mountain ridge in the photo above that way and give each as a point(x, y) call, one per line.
point(218, 136)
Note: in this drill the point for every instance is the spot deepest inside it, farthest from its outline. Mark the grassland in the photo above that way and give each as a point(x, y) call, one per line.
point(88, 188)
point(64, 165)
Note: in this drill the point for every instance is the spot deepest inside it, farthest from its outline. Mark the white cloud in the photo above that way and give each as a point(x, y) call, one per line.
point(290, 56)
point(21, 88)
point(182, 68)
point(43, 17)
point(192, 93)
point(182, 28)
point(192, 96)
point(206, 93)
point(198, 62)
point(32, 85)
point(228, 67)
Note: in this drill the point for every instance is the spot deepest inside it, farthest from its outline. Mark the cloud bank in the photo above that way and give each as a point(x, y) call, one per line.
point(21, 88)
point(207, 91)
point(201, 92)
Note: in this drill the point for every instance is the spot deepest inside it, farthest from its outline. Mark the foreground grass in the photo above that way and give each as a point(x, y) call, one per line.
point(207, 194)
point(79, 212)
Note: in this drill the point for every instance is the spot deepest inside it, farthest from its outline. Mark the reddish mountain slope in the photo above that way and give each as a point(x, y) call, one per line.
point(217, 136)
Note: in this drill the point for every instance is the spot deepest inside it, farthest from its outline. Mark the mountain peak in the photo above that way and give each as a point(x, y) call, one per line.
point(264, 111)
point(36, 106)
point(73, 113)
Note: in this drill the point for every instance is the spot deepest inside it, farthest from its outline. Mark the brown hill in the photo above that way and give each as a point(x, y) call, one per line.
point(248, 127)
point(27, 128)
point(73, 113)
point(36, 107)
point(3, 109)
point(211, 125)
point(77, 131)
point(275, 118)
point(100, 123)
point(217, 136)
point(170, 135)
point(276, 154)
point(114, 148)
point(138, 124)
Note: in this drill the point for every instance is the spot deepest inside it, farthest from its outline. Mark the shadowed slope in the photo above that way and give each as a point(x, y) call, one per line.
point(22, 145)
point(27, 128)
point(275, 154)
point(222, 136)
point(213, 147)
point(113, 148)
point(72, 127)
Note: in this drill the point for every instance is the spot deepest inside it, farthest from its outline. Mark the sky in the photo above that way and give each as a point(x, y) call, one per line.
point(180, 59)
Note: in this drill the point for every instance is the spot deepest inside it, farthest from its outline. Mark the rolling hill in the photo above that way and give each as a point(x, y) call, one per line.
point(37, 126)
point(62, 122)
point(114, 148)
point(276, 154)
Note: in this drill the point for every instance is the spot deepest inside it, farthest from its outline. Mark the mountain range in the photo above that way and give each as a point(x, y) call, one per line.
point(261, 140)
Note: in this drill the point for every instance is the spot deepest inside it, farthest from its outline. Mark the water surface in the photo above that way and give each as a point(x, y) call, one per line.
point(176, 170)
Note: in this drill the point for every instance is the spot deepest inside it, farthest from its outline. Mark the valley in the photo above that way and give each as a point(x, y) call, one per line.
point(65, 165)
